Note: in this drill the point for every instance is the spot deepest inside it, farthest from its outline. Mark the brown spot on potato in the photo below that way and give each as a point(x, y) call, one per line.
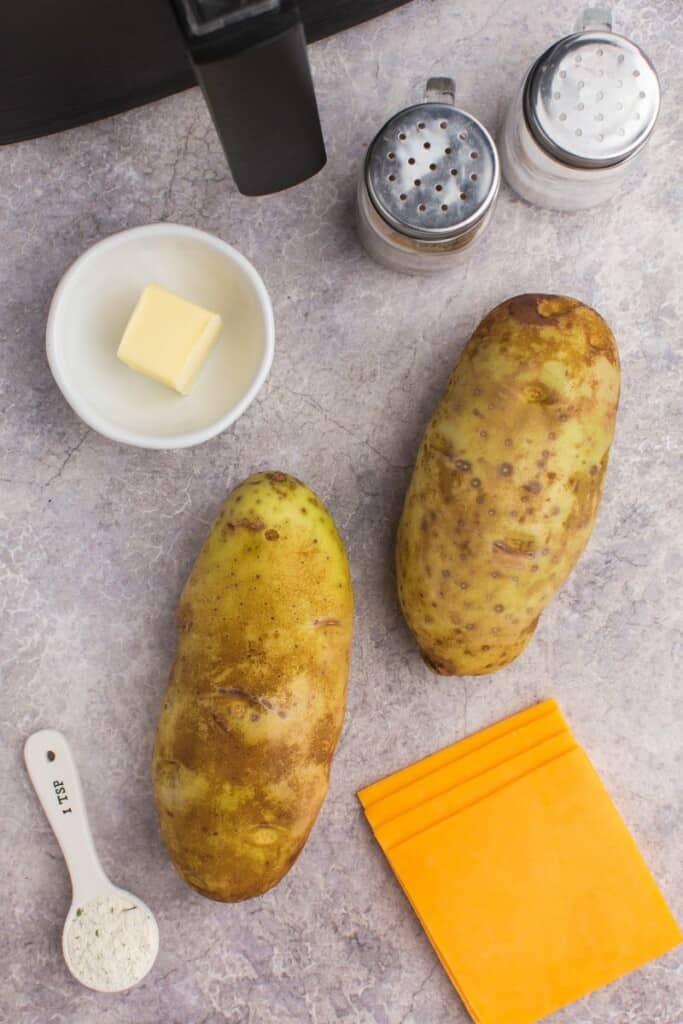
point(323, 740)
point(518, 545)
point(219, 722)
point(538, 393)
point(441, 668)
point(600, 342)
point(526, 309)
point(438, 444)
point(184, 617)
point(476, 482)
point(272, 535)
point(504, 469)
point(248, 524)
point(533, 486)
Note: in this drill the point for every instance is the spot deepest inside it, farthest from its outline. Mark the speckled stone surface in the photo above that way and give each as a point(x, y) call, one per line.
point(97, 539)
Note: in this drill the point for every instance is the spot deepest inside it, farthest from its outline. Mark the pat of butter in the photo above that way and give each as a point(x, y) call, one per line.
point(168, 338)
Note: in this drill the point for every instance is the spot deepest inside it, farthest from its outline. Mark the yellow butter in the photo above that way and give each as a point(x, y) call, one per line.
point(168, 338)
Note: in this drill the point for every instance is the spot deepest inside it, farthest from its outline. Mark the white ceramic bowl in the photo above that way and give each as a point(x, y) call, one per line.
point(90, 310)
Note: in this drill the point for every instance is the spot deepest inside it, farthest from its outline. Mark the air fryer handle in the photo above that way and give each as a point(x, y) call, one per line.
point(261, 97)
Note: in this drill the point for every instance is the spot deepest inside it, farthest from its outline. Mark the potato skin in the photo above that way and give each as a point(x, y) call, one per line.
point(507, 481)
point(256, 696)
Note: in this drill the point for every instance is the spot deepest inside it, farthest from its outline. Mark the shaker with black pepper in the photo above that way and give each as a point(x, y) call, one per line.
point(429, 185)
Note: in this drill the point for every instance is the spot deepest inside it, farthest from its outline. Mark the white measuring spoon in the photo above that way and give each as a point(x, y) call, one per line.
point(54, 775)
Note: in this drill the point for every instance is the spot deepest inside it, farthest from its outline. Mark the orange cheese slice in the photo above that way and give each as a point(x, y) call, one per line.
point(536, 894)
point(370, 795)
point(453, 801)
point(466, 766)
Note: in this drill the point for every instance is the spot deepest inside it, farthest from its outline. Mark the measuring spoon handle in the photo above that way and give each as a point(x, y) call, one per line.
point(53, 772)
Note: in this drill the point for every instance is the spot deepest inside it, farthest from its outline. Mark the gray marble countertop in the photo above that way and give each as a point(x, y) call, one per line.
point(97, 539)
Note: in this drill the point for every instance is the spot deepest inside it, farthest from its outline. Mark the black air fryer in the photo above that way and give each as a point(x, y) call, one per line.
point(63, 64)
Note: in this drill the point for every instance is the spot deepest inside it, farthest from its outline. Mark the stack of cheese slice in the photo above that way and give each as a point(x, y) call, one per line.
point(521, 871)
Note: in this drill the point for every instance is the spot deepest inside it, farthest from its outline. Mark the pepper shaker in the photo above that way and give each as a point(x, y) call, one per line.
point(581, 118)
point(429, 185)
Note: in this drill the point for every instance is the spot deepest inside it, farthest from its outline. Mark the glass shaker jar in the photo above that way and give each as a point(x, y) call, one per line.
point(581, 118)
point(429, 185)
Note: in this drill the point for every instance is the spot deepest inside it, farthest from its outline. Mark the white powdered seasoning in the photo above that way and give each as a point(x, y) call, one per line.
point(111, 943)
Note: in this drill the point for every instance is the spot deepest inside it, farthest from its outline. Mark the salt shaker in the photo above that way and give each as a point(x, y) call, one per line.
point(581, 118)
point(429, 185)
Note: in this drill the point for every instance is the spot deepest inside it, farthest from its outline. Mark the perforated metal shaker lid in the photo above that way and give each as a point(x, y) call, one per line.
point(592, 99)
point(432, 171)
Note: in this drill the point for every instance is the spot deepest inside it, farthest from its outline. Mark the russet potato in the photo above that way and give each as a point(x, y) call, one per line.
point(256, 696)
point(507, 481)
